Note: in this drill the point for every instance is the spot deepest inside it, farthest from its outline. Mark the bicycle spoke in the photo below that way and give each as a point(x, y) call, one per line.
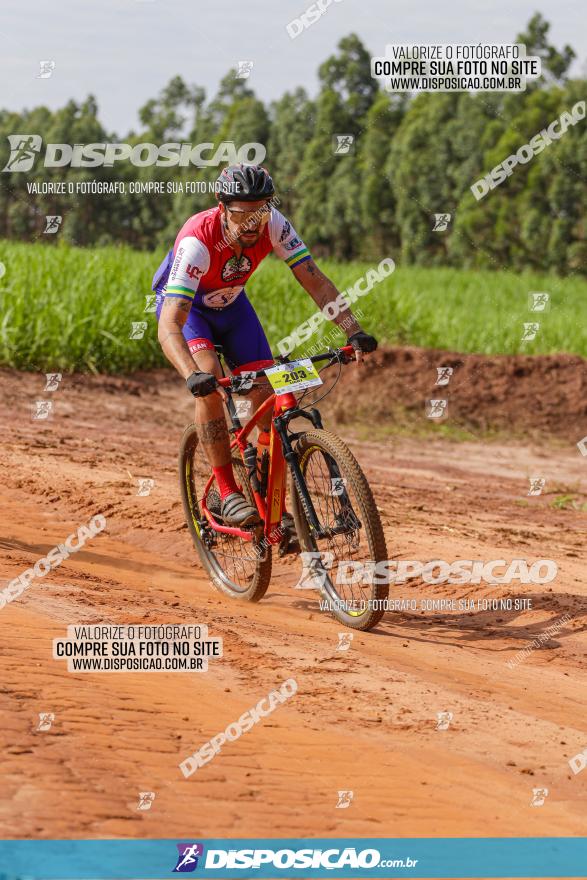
point(338, 511)
point(232, 557)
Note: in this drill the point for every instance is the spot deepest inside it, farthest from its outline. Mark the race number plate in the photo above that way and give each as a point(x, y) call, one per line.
point(294, 376)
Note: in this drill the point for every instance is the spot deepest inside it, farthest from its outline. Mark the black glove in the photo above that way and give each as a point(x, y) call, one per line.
point(201, 384)
point(363, 342)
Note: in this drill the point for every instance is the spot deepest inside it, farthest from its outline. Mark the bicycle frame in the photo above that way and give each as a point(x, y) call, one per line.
point(276, 477)
point(270, 508)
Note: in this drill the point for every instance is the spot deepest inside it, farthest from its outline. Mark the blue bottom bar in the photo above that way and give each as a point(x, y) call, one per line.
point(453, 858)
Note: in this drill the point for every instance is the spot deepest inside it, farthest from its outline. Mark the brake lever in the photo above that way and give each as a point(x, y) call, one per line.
point(342, 357)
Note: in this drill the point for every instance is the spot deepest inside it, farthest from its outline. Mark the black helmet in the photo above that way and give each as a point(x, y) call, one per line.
point(245, 183)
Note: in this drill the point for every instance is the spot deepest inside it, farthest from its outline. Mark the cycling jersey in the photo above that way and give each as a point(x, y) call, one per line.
point(236, 328)
point(204, 268)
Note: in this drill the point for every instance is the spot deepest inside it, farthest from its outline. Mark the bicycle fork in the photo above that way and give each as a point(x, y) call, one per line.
point(351, 520)
point(291, 458)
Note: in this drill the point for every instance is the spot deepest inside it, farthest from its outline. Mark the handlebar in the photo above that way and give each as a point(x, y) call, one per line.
point(336, 355)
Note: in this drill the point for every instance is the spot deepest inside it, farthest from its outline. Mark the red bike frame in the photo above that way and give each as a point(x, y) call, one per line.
point(272, 510)
point(276, 478)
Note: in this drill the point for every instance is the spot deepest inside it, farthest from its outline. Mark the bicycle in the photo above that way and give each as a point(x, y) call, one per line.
point(335, 516)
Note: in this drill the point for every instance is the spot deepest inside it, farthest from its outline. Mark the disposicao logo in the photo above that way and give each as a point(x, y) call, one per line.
point(24, 149)
point(187, 860)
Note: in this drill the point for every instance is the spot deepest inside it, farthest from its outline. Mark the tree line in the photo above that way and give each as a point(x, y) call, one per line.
point(409, 158)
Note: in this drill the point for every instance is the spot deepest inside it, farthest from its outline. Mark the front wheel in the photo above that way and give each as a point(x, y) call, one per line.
point(342, 565)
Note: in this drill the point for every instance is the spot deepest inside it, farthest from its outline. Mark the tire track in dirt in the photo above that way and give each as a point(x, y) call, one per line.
point(363, 720)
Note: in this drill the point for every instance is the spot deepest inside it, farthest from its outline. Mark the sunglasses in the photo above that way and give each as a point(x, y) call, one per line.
point(260, 214)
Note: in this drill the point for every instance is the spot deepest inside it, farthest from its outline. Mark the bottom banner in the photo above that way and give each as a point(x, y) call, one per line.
point(530, 857)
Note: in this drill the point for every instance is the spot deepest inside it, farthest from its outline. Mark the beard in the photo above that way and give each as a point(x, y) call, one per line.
point(247, 243)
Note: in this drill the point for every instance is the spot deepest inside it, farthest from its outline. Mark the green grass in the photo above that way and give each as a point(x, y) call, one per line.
point(65, 308)
point(568, 502)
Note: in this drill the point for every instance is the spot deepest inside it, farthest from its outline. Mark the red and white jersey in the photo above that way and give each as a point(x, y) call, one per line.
point(205, 268)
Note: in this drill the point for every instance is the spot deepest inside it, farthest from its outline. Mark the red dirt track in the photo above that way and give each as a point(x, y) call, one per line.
point(364, 719)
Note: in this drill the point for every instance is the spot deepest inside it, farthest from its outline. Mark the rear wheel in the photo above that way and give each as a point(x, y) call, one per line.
point(240, 569)
point(344, 504)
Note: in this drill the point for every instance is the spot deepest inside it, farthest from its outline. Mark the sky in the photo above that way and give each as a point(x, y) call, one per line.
point(125, 51)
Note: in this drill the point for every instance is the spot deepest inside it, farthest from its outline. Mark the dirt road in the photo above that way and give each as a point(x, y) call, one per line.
point(363, 720)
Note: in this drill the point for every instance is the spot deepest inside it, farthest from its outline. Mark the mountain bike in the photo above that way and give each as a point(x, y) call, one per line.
point(336, 522)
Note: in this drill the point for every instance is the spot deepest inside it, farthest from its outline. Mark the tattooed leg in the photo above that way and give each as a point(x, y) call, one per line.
point(210, 419)
point(213, 435)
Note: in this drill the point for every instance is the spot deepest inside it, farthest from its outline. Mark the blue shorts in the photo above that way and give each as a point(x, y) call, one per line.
point(236, 328)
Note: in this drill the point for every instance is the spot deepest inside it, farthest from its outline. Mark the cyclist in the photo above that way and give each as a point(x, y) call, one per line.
point(201, 301)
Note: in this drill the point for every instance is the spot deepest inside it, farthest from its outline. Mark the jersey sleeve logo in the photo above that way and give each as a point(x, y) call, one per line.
point(193, 271)
point(285, 231)
point(293, 244)
point(176, 263)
